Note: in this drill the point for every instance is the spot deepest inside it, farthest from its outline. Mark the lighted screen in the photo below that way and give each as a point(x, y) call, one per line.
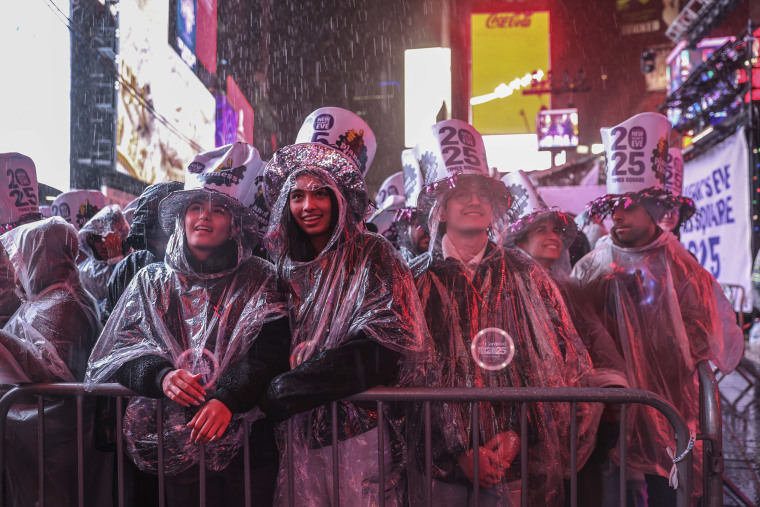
point(509, 51)
point(557, 128)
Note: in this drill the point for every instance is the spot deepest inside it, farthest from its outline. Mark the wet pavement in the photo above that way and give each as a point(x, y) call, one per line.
point(740, 403)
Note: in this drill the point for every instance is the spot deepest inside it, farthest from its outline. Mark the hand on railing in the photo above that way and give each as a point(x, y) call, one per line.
point(210, 422)
point(182, 387)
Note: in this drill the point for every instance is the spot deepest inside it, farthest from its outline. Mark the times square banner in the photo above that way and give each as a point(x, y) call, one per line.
point(719, 234)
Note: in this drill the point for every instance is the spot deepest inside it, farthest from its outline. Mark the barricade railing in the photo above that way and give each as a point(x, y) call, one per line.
point(711, 427)
point(381, 396)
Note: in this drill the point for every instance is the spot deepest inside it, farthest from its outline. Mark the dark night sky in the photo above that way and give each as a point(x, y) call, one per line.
point(291, 57)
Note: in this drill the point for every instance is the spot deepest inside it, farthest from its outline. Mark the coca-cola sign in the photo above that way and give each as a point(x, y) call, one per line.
point(509, 20)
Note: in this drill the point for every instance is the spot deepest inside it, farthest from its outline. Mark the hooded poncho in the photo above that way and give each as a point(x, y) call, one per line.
point(94, 271)
point(665, 314)
point(145, 236)
point(506, 290)
point(9, 298)
point(52, 332)
point(49, 339)
point(608, 364)
point(197, 321)
point(357, 287)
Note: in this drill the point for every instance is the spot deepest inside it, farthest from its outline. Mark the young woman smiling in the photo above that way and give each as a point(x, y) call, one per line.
point(355, 322)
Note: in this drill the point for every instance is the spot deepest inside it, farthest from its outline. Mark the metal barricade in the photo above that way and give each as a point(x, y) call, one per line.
point(424, 395)
point(711, 425)
point(524, 396)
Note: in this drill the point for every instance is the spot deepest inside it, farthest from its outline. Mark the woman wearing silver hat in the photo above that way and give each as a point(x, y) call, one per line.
point(355, 323)
point(204, 329)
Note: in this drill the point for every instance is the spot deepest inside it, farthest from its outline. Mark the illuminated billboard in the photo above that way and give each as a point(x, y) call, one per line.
point(205, 34)
point(185, 22)
point(509, 51)
point(243, 110)
point(192, 31)
point(165, 114)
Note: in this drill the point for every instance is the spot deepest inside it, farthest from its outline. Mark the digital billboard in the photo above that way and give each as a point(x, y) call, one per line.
point(557, 128)
point(165, 114)
point(192, 31)
point(243, 109)
point(509, 50)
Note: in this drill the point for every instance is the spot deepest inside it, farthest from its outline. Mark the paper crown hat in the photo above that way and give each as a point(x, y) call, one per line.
point(77, 207)
point(384, 216)
point(19, 198)
point(413, 183)
point(228, 175)
point(526, 199)
point(343, 130)
point(393, 185)
point(530, 208)
point(637, 153)
point(454, 151)
point(413, 180)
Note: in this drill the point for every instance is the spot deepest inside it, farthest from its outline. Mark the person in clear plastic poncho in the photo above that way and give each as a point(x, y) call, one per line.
point(198, 329)
point(546, 235)
point(103, 240)
point(48, 339)
point(468, 283)
point(355, 322)
point(146, 238)
point(666, 314)
point(9, 298)
point(413, 239)
point(53, 331)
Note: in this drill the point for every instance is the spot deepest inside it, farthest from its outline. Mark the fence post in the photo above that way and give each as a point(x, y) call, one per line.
point(710, 425)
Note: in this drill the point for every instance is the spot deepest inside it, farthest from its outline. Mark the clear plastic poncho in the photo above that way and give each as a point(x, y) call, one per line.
point(507, 290)
point(48, 339)
point(358, 283)
point(108, 225)
point(607, 361)
point(9, 298)
point(666, 314)
point(51, 334)
point(199, 322)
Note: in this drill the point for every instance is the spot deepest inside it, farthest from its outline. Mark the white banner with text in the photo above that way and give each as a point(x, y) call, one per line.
point(719, 234)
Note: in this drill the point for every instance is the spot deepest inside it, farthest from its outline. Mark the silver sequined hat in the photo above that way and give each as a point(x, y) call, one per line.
point(290, 159)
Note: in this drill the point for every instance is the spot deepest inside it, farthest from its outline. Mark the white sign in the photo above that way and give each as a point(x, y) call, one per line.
point(719, 234)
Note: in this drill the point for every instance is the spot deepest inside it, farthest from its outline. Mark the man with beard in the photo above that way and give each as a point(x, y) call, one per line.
point(664, 311)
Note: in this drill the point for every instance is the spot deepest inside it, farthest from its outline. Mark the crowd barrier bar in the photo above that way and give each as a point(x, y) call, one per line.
point(425, 395)
point(711, 427)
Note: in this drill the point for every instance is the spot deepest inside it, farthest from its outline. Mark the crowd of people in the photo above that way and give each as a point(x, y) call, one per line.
point(256, 293)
